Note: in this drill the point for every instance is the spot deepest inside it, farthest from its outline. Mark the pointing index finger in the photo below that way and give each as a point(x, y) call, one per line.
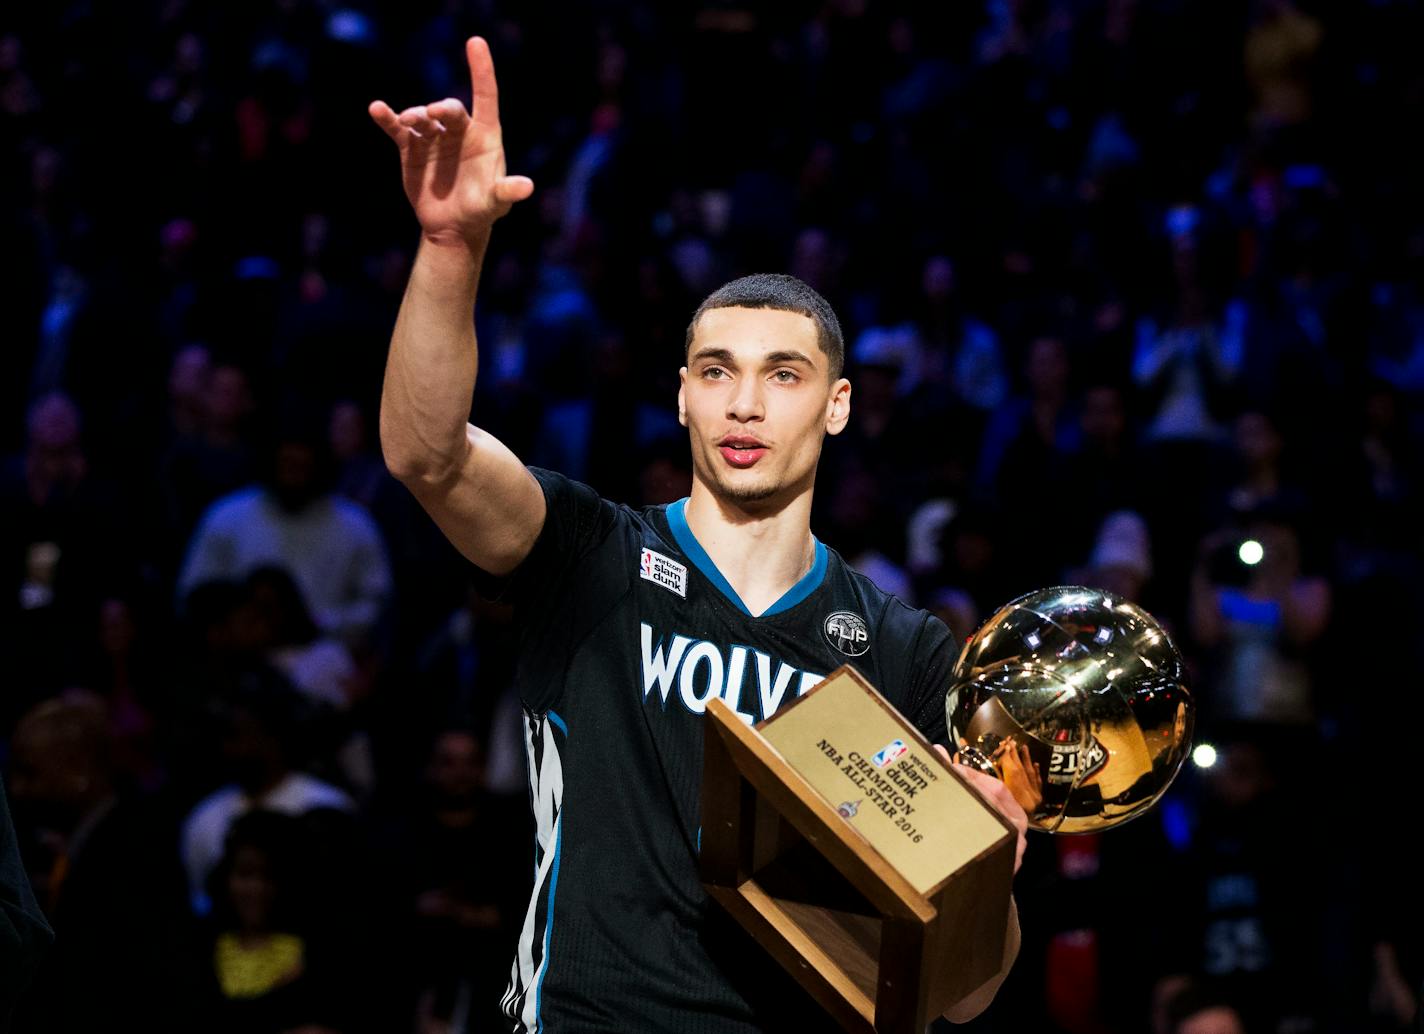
point(484, 101)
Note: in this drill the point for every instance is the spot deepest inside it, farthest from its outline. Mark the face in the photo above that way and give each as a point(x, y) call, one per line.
point(294, 476)
point(251, 888)
point(1218, 1020)
point(1103, 416)
point(50, 776)
point(1047, 366)
point(228, 397)
point(1257, 441)
point(757, 400)
point(347, 431)
point(456, 767)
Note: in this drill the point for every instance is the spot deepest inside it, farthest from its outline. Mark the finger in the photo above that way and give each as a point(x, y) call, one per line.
point(998, 796)
point(944, 753)
point(484, 101)
point(419, 120)
point(450, 113)
point(384, 117)
point(513, 188)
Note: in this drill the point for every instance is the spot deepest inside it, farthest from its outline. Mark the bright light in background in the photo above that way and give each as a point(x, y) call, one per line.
point(1204, 754)
point(1251, 552)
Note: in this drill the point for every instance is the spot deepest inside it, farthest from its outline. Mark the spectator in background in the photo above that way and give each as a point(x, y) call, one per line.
point(278, 629)
point(1377, 507)
point(60, 539)
point(1261, 479)
point(115, 903)
point(885, 434)
point(1186, 355)
point(1025, 446)
point(361, 474)
point(1122, 556)
point(864, 532)
point(466, 667)
point(666, 476)
point(189, 379)
point(963, 352)
point(956, 608)
point(970, 560)
point(259, 743)
point(1196, 1009)
point(1103, 473)
point(1027, 438)
point(1258, 613)
point(48, 503)
point(261, 972)
point(126, 671)
point(461, 918)
point(1239, 919)
point(1280, 51)
point(331, 545)
point(210, 456)
point(282, 630)
point(1186, 362)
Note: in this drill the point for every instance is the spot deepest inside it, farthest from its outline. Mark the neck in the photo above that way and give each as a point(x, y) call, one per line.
point(762, 551)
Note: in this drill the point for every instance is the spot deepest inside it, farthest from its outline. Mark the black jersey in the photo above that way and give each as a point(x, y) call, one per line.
point(627, 630)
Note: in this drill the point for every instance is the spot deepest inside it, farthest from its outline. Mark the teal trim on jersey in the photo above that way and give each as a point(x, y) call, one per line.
point(687, 542)
point(809, 583)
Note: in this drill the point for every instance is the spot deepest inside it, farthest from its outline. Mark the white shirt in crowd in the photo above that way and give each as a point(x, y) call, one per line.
point(332, 548)
point(205, 830)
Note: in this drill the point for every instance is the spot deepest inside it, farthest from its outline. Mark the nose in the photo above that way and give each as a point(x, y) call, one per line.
point(746, 402)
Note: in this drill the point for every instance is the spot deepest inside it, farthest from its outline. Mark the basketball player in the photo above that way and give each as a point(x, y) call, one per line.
point(633, 620)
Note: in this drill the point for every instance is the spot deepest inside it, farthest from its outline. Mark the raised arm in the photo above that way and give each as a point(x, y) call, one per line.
point(452, 165)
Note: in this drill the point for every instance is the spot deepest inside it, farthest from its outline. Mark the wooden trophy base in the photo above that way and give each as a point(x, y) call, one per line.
point(861, 900)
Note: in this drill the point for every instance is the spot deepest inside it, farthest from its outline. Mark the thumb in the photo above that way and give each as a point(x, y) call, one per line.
point(513, 188)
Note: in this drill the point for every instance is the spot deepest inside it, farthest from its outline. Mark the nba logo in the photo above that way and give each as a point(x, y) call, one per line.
point(647, 563)
point(889, 753)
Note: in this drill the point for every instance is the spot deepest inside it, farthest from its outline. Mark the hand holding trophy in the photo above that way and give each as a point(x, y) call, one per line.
point(1077, 700)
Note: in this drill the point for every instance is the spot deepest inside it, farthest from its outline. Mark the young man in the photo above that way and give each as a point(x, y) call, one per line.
point(633, 621)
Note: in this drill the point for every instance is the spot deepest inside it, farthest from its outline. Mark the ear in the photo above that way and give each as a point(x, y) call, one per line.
point(682, 396)
point(838, 407)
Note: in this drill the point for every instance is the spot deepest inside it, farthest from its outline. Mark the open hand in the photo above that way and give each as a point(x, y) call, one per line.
point(452, 160)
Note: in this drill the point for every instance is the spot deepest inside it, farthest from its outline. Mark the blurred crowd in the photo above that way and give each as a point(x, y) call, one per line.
point(1133, 293)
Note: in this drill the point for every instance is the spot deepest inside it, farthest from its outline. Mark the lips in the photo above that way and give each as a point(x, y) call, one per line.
point(740, 451)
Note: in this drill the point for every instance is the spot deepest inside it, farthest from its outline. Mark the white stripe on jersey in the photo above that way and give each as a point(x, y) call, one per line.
point(546, 794)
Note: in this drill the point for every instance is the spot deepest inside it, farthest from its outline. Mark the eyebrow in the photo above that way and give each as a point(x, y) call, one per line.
point(723, 355)
point(789, 357)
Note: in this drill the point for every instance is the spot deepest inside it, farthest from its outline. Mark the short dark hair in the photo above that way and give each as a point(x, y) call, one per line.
point(778, 291)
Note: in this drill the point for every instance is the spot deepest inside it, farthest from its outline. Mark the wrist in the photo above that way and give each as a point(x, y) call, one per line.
point(452, 256)
point(471, 242)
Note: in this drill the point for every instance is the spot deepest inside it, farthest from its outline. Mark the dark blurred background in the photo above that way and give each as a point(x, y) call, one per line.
point(1133, 295)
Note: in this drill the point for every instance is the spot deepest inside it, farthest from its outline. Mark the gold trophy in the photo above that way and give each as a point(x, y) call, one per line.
point(1077, 700)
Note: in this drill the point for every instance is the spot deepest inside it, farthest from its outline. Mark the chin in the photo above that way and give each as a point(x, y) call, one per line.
point(749, 493)
point(748, 488)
